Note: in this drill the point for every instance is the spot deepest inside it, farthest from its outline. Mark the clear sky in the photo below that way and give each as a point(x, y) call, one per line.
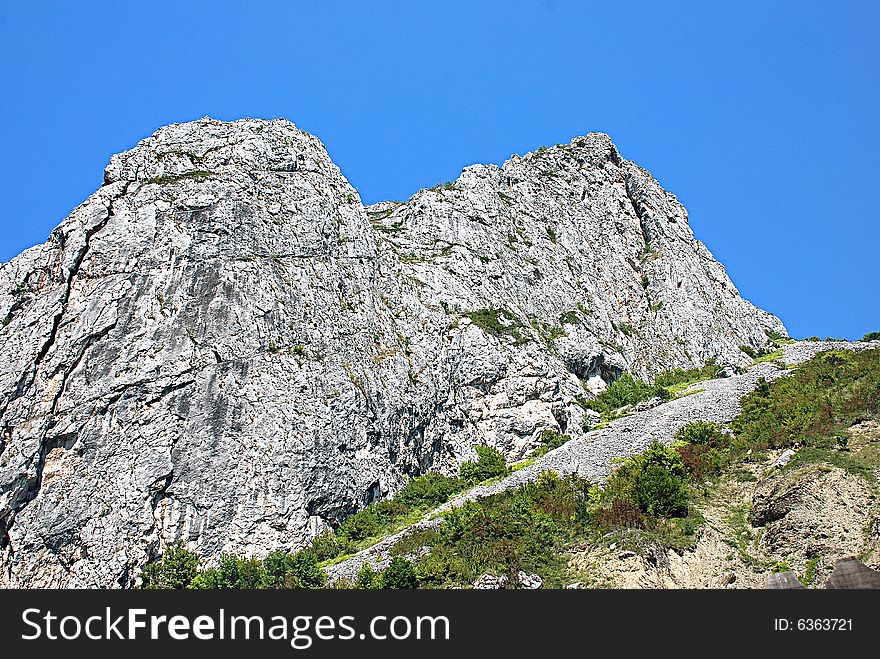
point(763, 117)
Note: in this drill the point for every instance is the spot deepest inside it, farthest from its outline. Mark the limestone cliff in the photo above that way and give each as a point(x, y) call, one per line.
point(222, 345)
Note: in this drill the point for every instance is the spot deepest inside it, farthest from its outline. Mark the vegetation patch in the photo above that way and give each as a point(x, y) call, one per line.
point(550, 439)
point(498, 322)
point(166, 179)
point(812, 406)
point(569, 318)
point(677, 379)
point(626, 390)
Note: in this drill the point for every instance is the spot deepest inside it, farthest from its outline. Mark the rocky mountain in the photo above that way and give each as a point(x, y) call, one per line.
point(224, 346)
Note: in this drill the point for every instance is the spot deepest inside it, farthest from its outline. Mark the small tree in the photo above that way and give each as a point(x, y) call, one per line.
point(304, 572)
point(274, 569)
point(328, 545)
point(655, 481)
point(489, 465)
point(232, 573)
point(366, 578)
point(399, 574)
point(430, 489)
point(660, 484)
point(177, 569)
point(704, 433)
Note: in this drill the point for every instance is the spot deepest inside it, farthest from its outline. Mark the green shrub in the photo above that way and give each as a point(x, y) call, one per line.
point(626, 390)
point(871, 336)
point(176, 569)
point(428, 490)
point(303, 572)
point(821, 398)
point(328, 545)
point(232, 572)
point(498, 322)
point(367, 578)
point(521, 528)
point(655, 481)
point(399, 574)
point(421, 493)
point(278, 570)
point(360, 526)
point(550, 439)
point(569, 318)
point(489, 465)
point(750, 351)
point(704, 433)
point(678, 376)
point(274, 569)
point(372, 520)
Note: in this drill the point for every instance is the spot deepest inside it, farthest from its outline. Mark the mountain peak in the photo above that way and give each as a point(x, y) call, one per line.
point(223, 346)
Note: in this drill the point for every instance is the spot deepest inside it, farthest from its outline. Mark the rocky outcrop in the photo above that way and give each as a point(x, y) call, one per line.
point(223, 346)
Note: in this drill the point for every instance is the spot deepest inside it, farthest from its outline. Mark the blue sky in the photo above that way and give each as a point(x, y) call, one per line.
point(763, 117)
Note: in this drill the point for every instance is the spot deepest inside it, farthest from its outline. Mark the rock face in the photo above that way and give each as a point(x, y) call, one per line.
point(223, 346)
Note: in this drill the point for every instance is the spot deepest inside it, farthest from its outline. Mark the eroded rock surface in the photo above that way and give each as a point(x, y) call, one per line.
point(223, 346)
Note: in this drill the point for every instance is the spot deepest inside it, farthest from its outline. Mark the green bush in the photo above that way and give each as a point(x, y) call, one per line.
point(704, 433)
point(822, 397)
point(303, 572)
point(656, 481)
point(328, 545)
point(490, 464)
point(569, 318)
point(679, 376)
point(176, 569)
point(421, 493)
point(429, 490)
point(367, 578)
point(372, 520)
point(360, 526)
point(298, 571)
point(399, 574)
point(626, 390)
point(550, 439)
point(498, 322)
point(521, 528)
point(750, 351)
point(871, 336)
point(278, 570)
point(232, 572)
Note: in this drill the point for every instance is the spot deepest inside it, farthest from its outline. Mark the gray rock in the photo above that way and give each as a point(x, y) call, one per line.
point(529, 581)
point(591, 418)
point(223, 347)
point(783, 459)
point(649, 404)
point(490, 582)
